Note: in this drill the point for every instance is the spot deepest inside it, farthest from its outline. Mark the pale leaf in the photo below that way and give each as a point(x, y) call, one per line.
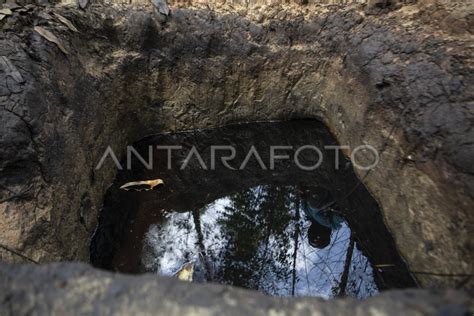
point(65, 22)
point(6, 11)
point(145, 185)
point(51, 38)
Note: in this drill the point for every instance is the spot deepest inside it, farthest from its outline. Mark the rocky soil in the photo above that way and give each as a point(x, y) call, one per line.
point(59, 289)
point(398, 77)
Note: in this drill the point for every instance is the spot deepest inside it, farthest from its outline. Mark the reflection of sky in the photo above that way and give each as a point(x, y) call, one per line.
point(174, 242)
point(318, 271)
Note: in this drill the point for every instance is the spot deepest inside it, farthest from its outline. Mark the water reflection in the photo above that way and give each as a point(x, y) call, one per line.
point(267, 238)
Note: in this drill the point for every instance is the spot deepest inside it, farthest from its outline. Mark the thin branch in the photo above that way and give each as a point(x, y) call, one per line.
point(13, 251)
point(451, 275)
point(15, 195)
point(438, 274)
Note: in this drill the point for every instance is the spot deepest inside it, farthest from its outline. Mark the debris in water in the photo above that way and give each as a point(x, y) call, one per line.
point(185, 273)
point(145, 185)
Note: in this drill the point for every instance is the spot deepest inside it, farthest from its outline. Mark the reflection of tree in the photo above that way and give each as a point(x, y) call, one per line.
point(258, 239)
point(295, 251)
point(255, 223)
point(347, 265)
point(200, 243)
point(165, 239)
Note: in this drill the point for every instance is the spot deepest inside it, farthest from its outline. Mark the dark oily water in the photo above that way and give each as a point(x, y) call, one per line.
point(260, 239)
point(250, 226)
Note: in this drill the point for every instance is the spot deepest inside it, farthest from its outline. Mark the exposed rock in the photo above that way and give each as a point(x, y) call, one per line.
point(398, 81)
point(59, 289)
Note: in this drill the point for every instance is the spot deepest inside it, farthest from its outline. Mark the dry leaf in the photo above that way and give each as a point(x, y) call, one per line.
point(10, 69)
point(384, 265)
point(82, 3)
point(45, 15)
point(65, 22)
point(145, 185)
point(12, 6)
point(185, 273)
point(162, 6)
point(21, 10)
point(6, 11)
point(51, 38)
